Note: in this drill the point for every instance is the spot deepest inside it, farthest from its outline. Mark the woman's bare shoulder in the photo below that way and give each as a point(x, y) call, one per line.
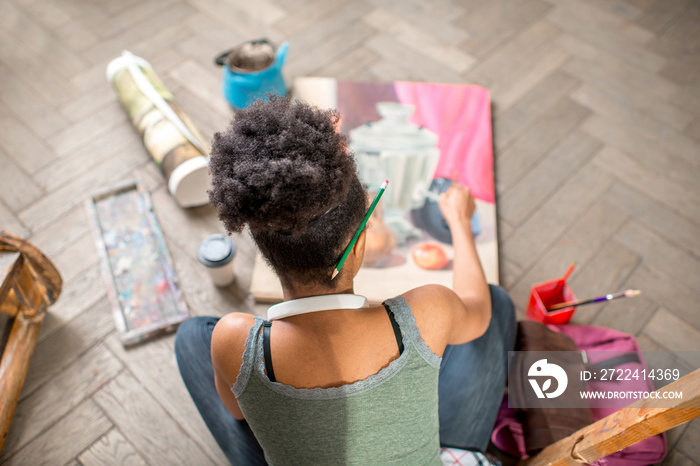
point(229, 337)
point(430, 296)
point(234, 323)
point(433, 307)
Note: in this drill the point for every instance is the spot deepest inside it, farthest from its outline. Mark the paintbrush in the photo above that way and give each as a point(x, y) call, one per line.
point(361, 227)
point(607, 297)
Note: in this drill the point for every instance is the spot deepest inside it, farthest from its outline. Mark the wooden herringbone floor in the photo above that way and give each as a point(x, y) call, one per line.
point(597, 138)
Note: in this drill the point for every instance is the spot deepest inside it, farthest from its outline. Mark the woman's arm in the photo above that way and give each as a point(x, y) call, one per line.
point(227, 346)
point(469, 283)
point(454, 316)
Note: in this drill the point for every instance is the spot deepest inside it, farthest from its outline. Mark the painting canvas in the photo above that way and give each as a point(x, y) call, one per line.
point(422, 137)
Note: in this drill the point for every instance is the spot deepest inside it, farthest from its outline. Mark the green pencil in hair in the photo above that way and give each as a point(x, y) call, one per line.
point(359, 230)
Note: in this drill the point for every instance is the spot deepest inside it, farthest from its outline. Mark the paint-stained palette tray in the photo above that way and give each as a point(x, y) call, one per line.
point(141, 281)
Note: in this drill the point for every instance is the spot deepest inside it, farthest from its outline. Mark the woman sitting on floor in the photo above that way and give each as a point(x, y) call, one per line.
point(337, 381)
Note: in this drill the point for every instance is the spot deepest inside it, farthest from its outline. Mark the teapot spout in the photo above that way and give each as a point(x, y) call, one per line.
point(281, 54)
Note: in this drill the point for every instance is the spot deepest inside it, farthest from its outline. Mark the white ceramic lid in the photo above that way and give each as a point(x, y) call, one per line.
point(190, 181)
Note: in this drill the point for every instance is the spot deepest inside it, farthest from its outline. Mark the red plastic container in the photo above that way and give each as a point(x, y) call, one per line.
point(548, 294)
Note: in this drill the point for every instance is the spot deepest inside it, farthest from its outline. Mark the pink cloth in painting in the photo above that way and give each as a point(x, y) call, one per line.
point(461, 117)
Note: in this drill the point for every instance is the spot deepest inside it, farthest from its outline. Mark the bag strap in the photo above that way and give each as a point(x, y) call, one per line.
point(266, 350)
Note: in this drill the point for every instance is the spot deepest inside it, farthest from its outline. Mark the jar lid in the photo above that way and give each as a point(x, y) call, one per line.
point(393, 132)
point(216, 250)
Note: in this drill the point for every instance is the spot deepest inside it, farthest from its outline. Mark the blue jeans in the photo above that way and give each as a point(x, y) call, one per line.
point(193, 352)
point(471, 382)
point(473, 377)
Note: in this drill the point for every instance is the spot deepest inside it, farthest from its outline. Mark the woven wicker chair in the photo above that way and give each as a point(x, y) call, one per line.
point(29, 283)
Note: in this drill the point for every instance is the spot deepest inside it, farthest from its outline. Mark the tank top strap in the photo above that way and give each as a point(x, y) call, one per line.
point(395, 326)
point(409, 329)
point(248, 358)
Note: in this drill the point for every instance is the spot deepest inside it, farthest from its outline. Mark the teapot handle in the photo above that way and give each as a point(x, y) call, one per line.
point(221, 58)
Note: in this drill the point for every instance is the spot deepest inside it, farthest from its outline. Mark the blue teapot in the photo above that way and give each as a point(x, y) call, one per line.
point(251, 71)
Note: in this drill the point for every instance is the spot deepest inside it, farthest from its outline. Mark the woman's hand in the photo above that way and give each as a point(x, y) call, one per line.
point(457, 205)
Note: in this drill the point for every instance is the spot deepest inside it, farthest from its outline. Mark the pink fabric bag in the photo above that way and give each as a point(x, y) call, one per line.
point(508, 432)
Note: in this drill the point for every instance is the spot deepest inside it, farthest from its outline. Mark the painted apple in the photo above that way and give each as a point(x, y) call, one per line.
point(429, 256)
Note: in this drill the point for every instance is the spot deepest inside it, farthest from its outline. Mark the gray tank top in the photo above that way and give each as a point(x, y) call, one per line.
point(390, 417)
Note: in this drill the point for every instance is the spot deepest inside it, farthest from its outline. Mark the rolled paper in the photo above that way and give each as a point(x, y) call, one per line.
point(169, 136)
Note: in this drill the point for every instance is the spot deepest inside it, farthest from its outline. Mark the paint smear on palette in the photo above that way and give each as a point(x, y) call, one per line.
point(144, 292)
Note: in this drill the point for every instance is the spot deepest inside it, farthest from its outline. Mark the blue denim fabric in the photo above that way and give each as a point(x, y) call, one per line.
point(193, 352)
point(471, 383)
point(473, 377)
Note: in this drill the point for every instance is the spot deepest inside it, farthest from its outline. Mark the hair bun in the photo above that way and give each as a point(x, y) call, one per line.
point(278, 166)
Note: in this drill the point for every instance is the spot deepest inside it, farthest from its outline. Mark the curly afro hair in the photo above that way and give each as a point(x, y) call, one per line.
point(284, 169)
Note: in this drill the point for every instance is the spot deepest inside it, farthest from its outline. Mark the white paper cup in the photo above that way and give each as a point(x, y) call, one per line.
point(216, 253)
